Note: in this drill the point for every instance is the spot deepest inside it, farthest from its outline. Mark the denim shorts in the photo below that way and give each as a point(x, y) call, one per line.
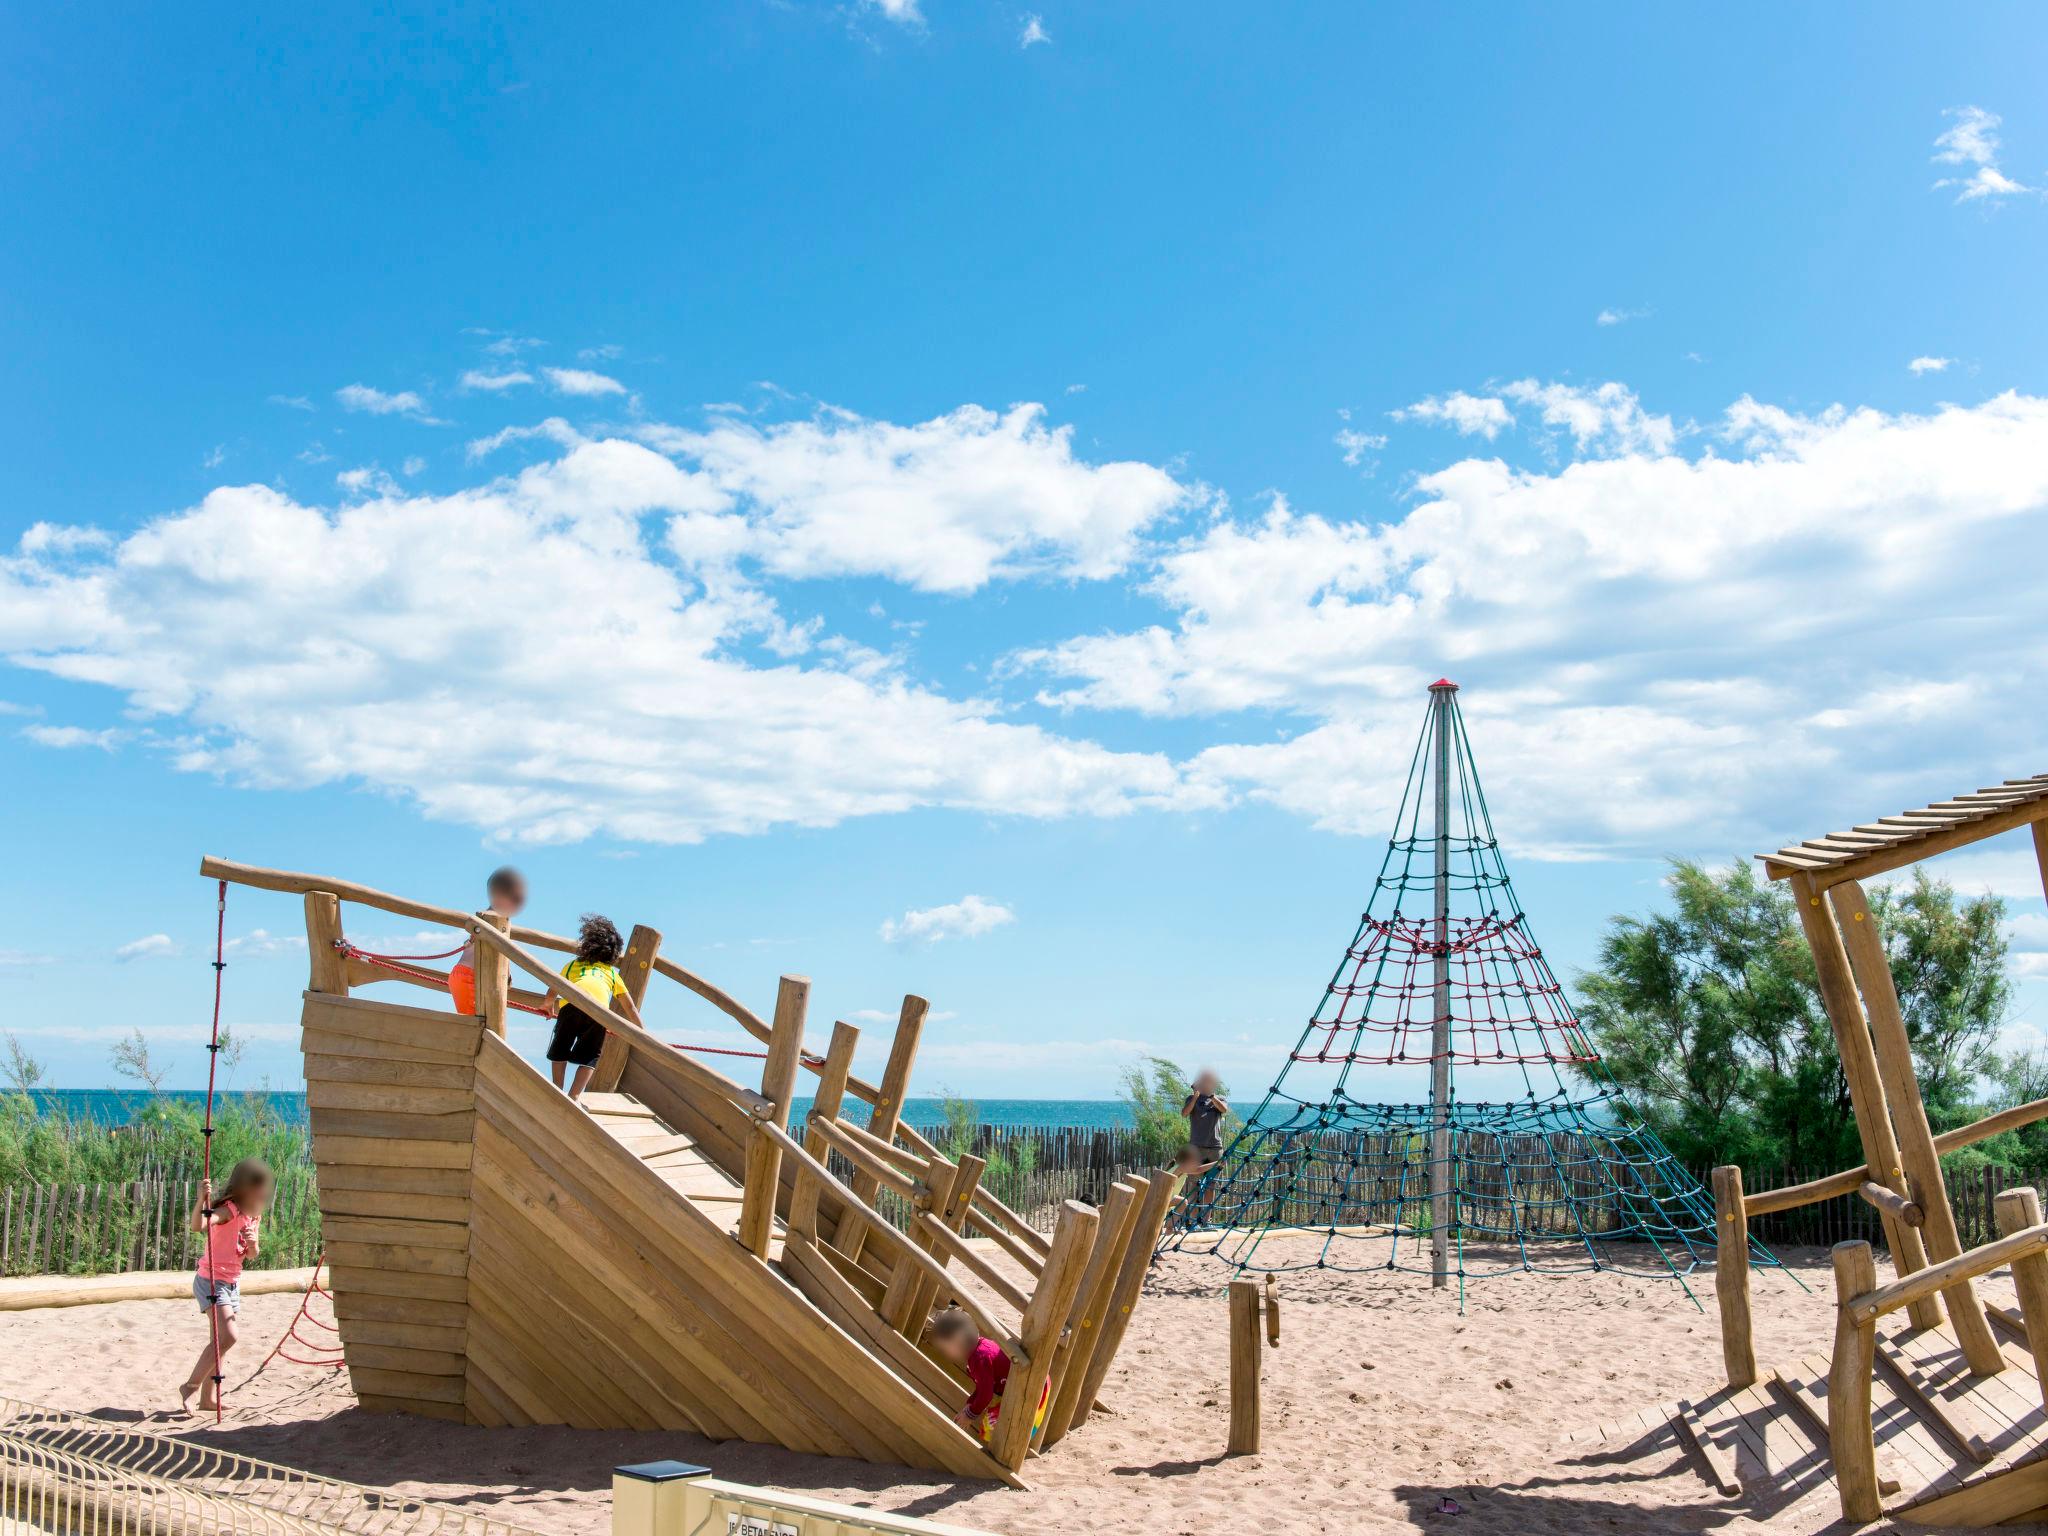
point(228, 1296)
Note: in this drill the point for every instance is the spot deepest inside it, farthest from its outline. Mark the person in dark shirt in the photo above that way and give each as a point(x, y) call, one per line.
point(1205, 1110)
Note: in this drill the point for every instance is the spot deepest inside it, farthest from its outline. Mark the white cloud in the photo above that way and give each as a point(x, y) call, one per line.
point(1621, 316)
point(68, 737)
point(55, 539)
point(1480, 415)
point(22, 959)
point(609, 352)
point(1930, 364)
point(368, 481)
point(375, 402)
point(1356, 445)
point(493, 383)
point(904, 12)
point(413, 465)
point(1605, 418)
point(947, 505)
point(581, 381)
point(1971, 139)
point(259, 942)
point(216, 458)
point(155, 946)
point(554, 430)
point(292, 402)
point(1033, 31)
point(967, 918)
point(293, 646)
point(1663, 647)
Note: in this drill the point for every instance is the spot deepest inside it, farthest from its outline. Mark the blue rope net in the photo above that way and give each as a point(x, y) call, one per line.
point(1545, 1169)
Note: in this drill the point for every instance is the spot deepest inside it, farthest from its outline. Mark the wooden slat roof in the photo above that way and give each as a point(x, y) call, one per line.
point(1892, 841)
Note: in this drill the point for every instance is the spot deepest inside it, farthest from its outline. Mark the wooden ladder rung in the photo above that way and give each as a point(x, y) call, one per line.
point(1811, 1409)
point(1719, 1464)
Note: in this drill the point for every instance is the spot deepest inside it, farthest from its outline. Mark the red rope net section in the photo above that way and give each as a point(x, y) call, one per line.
point(321, 1346)
point(1504, 1004)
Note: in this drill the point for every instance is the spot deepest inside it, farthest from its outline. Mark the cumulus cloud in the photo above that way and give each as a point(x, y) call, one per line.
point(581, 381)
point(946, 505)
point(1473, 415)
point(1971, 141)
point(967, 918)
point(1356, 445)
point(1033, 31)
point(154, 946)
point(66, 737)
point(1609, 317)
point(906, 13)
point(286, 645)
point(1664, 644)
point(375, 402)
point(368, 480)
point(1930, 364)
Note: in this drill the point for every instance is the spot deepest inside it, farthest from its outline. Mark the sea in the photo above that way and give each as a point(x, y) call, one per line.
point(116, 1106)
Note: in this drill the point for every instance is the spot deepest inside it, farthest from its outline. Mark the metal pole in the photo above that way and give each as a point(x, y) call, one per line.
point(1440, 1028)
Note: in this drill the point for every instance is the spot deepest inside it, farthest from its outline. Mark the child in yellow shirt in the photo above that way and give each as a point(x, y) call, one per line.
point(579, 1036)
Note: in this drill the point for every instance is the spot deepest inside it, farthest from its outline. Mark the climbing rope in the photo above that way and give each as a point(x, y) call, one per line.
point(220, 964)
point(326, 1355)
point(396, 965)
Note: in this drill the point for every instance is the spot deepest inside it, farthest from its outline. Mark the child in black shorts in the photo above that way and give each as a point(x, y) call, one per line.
point(579, 1036)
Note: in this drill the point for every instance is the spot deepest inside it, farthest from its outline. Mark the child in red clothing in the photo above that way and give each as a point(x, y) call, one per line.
point(507, 892)
point(987, 1366)
point(230, 1225)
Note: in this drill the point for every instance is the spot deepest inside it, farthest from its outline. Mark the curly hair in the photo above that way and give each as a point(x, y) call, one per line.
point(598, 941)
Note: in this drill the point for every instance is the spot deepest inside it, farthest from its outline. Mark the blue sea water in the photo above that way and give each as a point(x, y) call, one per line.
point(116, 1106)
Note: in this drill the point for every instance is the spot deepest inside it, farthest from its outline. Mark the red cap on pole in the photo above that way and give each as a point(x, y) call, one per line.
point(1443, 682)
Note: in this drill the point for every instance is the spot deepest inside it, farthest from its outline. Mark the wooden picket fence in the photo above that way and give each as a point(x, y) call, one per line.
point(98, 1229)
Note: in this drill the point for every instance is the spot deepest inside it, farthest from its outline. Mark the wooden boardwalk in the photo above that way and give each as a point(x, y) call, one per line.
point(1952, 1448)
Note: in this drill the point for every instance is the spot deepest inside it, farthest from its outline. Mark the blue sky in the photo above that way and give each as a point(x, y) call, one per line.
point(967, 498)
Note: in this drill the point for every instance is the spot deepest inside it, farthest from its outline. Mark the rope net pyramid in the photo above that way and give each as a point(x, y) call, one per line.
point(1542, 1168)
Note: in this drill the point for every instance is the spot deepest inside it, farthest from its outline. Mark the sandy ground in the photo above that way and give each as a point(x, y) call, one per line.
point(1381, 1401)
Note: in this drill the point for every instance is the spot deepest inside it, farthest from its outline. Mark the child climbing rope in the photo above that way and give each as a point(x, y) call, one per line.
point(506, 893)
point(579, 1037)
point(232, 1232)
point(987, 1365)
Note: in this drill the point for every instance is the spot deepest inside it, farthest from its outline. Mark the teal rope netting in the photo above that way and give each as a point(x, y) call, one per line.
point(1546, 1169)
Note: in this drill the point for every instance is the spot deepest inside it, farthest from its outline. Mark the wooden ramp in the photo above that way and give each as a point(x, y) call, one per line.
point(1953, 1449)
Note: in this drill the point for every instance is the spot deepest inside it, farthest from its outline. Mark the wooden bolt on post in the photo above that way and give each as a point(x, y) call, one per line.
point(1731, 1277)
point(1244, 1368)
point(1272, 1312)
point(1849, 1429)
point(2019, 1209)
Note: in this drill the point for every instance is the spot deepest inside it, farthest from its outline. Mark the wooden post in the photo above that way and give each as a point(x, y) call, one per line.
point(1866, 1088)
point(1040, 1332)
point(1091, 1299)
point(329, 972)
point(637, 967)
point(1873, 975)
point(888, 1112)
point(1849, 1431)
point(778, 1084)
point(1272, 1312)
point(2041, 853)
point(2019, 1209)
point(493, 976)
point(1731, 1277)
point(1244, 1368)
point(1130, 1280)
point(825, 1103)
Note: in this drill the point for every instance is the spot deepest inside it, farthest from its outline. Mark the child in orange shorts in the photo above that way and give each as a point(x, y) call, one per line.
point(506, 891)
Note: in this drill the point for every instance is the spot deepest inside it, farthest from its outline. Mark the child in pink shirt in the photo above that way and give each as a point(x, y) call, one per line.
point(987, 1366)
point(230, 1227)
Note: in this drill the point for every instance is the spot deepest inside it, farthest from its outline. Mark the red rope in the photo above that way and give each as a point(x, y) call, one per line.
point(220, 964)
point(330, 1354)
point(716, 1050)
point(390, 963)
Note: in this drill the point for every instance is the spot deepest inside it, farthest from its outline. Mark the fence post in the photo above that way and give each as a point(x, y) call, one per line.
point(1244, 1368)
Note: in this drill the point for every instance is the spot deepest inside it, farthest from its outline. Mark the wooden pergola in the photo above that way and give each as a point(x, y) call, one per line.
point(1826, 875)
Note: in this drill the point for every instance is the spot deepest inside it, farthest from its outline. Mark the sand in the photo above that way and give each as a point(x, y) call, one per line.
point(1381, 1401)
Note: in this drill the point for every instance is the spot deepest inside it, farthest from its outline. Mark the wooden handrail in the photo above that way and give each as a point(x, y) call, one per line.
point(1850, 1180)
point(636, 1037)
point(958, 1246)
point(874, 1167)
point(1937, 1277)
point(888, 1237)
point(913, 1165)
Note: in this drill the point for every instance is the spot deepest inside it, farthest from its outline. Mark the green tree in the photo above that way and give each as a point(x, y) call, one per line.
point(1708, 1014)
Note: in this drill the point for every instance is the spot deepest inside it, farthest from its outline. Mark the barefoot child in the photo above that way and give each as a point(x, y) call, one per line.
point(987, 1366)
point(506, 891)
point(230, 1228)
point(579, 1037)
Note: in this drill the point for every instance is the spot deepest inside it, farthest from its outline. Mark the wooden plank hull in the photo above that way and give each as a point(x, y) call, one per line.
point(500, 1257)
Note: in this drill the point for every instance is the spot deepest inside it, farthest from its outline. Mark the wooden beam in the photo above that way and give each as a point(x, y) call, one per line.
point(637, 966)
point(825, 1103)
point(1981, 1260)
point(888, 1114)
point(1084, 1324)
point(1849, 1429)
point(493, 979)
point(778, 1086)
point(1731, 1277)
point(329, 973)
point(1030, 1379)
point(1244, 1368)
point(1859, 1066)
point(2018, 1209)
point(1850, 1180)
point(1943, 836)
point(1130, 1281)
point(1872, 971)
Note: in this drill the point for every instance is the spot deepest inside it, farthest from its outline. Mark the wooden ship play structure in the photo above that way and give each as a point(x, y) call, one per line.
point(682, 1256)
point(1930, 1409)
point(1542, 1168)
